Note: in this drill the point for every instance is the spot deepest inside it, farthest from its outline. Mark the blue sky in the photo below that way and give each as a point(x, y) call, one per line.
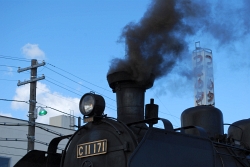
point(81, 38)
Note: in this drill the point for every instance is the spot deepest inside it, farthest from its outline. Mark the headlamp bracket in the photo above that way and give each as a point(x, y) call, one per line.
point(94, 118)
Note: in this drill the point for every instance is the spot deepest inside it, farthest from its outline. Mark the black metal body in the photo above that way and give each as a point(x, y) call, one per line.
point(207, 117)
point(159, 147)
point(129, 96)
point(166, 148)
point(121, 142)
point(240, 131)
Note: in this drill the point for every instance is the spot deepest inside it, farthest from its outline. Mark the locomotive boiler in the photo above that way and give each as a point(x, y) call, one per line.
point(131, 140)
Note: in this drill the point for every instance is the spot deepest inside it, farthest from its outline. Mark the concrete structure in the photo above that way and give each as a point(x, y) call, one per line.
point(12, 151)
point(63, 121)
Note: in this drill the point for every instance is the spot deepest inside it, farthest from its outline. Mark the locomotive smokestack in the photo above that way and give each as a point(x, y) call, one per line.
point(129, 95)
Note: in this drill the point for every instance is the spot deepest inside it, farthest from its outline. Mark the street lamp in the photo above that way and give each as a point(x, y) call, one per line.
point(40, 111)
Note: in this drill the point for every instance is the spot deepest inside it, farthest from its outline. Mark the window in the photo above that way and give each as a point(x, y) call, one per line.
point(4, 162)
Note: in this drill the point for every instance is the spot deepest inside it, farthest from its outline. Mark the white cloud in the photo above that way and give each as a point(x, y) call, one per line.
point(5, 114)
point(22, 94)
point(32, 51)
point(10, 71)
point(45, 97)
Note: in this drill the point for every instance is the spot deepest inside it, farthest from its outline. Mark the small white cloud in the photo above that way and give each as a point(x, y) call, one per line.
point(9, 71)
point(79, 87)
point(22, 94)
point(45, 97)
point(5, 114)
point(32, 51)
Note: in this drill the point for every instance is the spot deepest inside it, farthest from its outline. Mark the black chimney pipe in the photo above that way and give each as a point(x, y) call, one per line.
point(129, 95)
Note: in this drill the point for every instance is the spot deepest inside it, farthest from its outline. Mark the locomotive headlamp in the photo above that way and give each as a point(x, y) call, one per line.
point(92, 105)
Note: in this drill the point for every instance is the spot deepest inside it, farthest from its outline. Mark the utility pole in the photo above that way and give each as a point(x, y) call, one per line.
point(32, 107)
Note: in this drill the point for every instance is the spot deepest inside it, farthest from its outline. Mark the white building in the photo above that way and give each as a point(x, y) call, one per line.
point(13, 139)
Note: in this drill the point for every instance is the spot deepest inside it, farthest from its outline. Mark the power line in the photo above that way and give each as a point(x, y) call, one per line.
point(111, 108)
point(13, 147)
point(8, 80)
point(71, 91)
point(15, 101)
point(173, 116)
point(36, 102)
point(169, 115)
point(41, 69)
point(74, 81)
point(8, 71)
point(25, 140)
point(78, 77)
point(77, 93)
point(56, 95)
point(11, 154)
point(57, 110)
point(8, 66)
point(14, 58)
point(67, 78)
point(63, 87)
point(78, 83)
point(60, 83)
point(38, 106)
point(32, 124)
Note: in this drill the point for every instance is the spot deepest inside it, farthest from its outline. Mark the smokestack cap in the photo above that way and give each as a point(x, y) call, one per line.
point(123, 76)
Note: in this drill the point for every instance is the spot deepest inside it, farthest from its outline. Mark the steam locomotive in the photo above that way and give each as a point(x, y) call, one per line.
point(131, 140)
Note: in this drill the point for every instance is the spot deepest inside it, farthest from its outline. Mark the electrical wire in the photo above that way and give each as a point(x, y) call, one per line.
point(67, 78)
point(78, 83)
point(169, 115)
point(11, 154)
point(9, 71)
point(40, 104)
point(73, 101)
point(8, 66)
point(47, 144)
point(32, 124)
point(78, 77)
point(9, 80)
point(56, 110)
point(59, 82)
point(15, 101)
point(63, 87)
point(12, 139)
point(75, 92)
point(13, 147)
point(173, 116)
point(61, 97)
point(21, 59)
point(14, 58)
point(26, 140)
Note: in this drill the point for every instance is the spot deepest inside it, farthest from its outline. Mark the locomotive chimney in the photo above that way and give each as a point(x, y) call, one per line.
point(129, 95)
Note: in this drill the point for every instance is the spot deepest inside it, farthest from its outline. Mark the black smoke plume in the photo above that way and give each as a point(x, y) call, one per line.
point(158, 41)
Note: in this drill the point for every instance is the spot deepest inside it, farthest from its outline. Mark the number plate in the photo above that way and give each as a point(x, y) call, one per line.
point(92, 148)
